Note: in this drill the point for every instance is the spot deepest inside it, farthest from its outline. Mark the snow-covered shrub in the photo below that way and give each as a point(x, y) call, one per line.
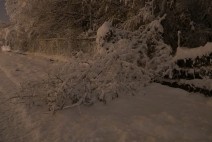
point(147, 45)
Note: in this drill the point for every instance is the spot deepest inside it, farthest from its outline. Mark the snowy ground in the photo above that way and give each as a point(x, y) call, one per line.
point(163, 114)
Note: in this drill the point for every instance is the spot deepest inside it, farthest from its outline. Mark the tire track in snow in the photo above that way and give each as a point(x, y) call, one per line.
point(16, 125)
point(9, 76)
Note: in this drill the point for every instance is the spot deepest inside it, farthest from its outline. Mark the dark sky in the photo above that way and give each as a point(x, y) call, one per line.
point(3, 14)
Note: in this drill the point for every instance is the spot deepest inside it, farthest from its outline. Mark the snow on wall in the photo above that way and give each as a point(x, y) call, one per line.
point(183, 53)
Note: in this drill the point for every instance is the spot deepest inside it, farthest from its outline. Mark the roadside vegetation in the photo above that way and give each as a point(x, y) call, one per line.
point(115, 47)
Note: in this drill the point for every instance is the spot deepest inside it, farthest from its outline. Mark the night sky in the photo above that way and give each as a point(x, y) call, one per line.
point(3, 14)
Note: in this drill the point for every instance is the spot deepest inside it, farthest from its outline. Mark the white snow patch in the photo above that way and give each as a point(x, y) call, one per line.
point(183, 52)
point(6, 48)
point(103, 33)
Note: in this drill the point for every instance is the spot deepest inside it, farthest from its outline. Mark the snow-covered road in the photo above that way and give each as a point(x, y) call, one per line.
point(158, 114)
point(16, 123)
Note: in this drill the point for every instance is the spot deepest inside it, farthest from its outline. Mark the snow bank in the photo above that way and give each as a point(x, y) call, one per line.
point(6, 48)
point(185, 53)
